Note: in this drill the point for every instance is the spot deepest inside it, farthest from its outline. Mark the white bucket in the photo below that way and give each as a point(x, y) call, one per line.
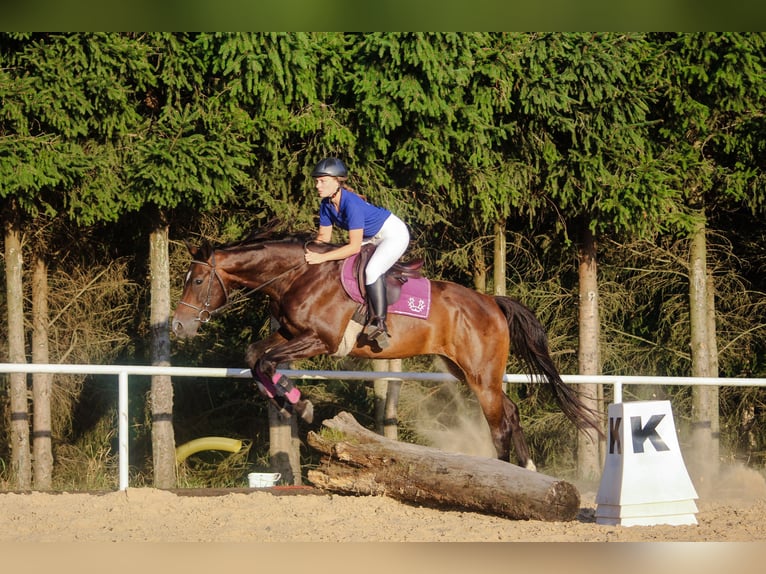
point(263, 479)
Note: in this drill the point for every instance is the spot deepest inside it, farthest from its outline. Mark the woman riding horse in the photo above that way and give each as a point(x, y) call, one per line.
point(365, 223)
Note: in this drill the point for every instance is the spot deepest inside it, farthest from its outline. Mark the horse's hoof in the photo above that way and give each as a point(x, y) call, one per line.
point(305, 410)
point(531, 465)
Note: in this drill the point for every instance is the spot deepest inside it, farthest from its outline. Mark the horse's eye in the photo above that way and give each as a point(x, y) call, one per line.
point(198, 281)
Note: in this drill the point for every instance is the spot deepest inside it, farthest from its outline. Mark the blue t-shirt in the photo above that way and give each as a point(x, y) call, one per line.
point(353, 213)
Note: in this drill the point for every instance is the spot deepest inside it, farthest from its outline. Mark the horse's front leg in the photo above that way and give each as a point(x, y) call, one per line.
point(255, 351)
point(275, 349)
point(263, 358)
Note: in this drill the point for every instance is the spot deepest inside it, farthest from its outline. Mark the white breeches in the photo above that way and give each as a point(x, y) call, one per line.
point(392, 241)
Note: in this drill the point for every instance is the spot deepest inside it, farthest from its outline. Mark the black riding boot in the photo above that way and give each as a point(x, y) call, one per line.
point(376, 297)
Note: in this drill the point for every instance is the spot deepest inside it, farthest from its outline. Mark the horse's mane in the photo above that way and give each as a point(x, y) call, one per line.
point(272, 231)
point(261, 238)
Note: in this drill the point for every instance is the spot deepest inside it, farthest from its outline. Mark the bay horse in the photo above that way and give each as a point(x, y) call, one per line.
point(473, 332)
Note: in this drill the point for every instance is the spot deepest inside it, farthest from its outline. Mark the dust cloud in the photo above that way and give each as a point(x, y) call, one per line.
point(447, 419)
point(729, 481)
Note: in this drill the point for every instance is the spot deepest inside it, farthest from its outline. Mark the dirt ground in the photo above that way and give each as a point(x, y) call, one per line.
point(733, 511)
point(300, 529)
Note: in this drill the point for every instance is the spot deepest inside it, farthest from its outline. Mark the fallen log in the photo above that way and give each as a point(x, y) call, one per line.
point(359, 461)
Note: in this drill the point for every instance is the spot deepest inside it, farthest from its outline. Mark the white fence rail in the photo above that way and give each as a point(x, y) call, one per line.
point(123, 372)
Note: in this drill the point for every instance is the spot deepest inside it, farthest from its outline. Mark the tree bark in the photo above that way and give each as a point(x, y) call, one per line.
point(498, 267)
point(21, 463)
point(589, 462)
point(479, 268)
point(710, 314)
point(163, 437)
point(715, 425)
point(42, 383)
point(499, 258)
point(704, 463)
point(391, 410)
point(359, 461)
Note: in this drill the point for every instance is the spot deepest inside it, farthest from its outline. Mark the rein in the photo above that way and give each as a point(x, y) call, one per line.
point(204, 313)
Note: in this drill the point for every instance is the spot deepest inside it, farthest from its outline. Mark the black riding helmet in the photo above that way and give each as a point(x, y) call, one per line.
point(331, 166)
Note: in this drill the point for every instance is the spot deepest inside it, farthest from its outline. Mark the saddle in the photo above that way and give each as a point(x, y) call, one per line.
point(395, 277)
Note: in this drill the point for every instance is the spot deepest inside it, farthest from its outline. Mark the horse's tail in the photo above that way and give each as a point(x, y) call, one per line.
point(530, 343)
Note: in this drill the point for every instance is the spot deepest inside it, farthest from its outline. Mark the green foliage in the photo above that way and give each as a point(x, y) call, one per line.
point(585, 109)
point(711, 111)
point(66, 99)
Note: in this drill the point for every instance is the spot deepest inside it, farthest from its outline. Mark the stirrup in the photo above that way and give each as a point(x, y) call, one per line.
point(375, 327)
point(378, 332)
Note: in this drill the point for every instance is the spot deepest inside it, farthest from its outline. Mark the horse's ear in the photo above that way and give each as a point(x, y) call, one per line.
point(193, 249)
point(205, 250)
point(200, 253)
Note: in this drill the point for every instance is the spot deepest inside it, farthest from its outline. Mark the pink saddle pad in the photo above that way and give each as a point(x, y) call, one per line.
point(415, 299)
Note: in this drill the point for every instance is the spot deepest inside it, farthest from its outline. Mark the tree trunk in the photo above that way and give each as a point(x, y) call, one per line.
point(479, 268)
point(710, 314)
point(589, 360)
point(359, 461)
point(42, 383)
point(163, 438)
point(715, 426)
point(498, 267)
point(499, 258)
point(704, 462)
point(21, 464)
point(391, 412)
point(387, 398)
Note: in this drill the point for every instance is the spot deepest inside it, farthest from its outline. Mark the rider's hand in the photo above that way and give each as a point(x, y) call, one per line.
point(313, 258)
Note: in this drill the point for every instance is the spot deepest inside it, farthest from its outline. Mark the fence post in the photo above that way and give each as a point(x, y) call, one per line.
point(122, 431)
point(617, 398)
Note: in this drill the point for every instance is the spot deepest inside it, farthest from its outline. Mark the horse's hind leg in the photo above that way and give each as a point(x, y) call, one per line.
point(504, 421)
point(502, 416)
point(516, 434)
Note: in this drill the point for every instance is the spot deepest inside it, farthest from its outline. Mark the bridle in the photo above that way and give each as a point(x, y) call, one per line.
point(204, 313)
